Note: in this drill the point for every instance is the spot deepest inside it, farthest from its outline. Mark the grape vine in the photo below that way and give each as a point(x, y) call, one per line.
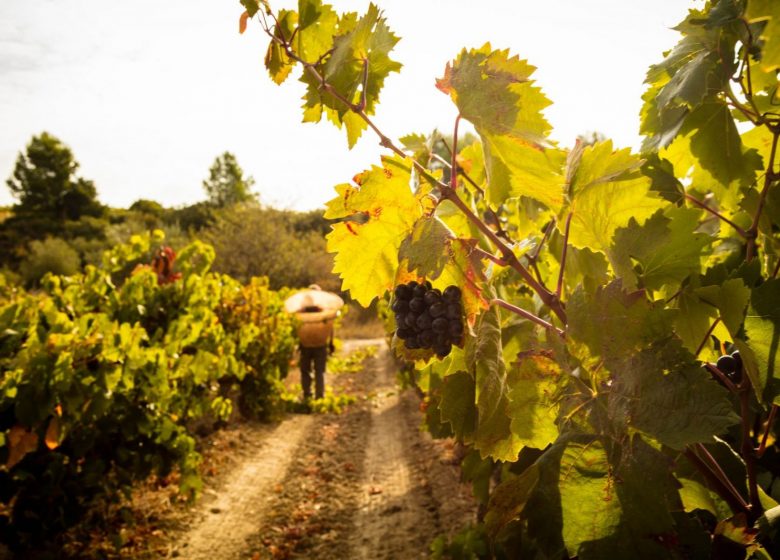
point(105, 373)
point(618, 366)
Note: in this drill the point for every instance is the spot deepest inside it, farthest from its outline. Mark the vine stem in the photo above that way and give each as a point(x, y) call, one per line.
point(547, 297)
point(462, 172)
point(769, 178)
point(707, 336)
point(490, 256)
point(454, 155)
point(748, 453)
point(769, 421)
point(559, 288)
point(528, 315)
point(722, 377)
point(715, 213)
point(717, 480)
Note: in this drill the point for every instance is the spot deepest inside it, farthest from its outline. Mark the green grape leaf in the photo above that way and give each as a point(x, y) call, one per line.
point(494, 435)
point(664, 182)
point(695, 69)
point(693, 322)
point(381, 211)
point(419, 145)
point(317, 24)
point(533, 407)
point(769, 11)
point(663, 392)
point(584, 482)
point(606, 189)
point(457, 404)
point(427, 248)
point(253, 6)
point(496, 94)
point(355, 70)
point(615, 323)
point(509, 498)
point(710, 144)
point(277, 62)
point(730, 298)
point(695, 495)
point(663, 251)
point(762, 329)
point(597, 499)
point(472, 160)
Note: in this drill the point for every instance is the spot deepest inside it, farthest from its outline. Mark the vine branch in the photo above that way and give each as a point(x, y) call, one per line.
point(559, 288)
point(528, 315)
point(715, 213)
point(770, 177)
point(717, 481)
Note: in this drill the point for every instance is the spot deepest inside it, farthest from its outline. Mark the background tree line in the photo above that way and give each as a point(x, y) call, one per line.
point(59, 224)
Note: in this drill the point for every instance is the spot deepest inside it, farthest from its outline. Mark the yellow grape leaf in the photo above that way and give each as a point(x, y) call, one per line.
point(605, 190)
point(379, 211)
point(21, 441)
point(52, 438)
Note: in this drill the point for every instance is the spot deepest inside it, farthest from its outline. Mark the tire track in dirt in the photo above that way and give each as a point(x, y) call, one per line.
point(394, 508)
point(224, 522)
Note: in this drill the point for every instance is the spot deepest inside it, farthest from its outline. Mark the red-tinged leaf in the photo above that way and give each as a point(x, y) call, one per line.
point(52, 438)
point(380, 212)
point(21, 441)
point(242, 22)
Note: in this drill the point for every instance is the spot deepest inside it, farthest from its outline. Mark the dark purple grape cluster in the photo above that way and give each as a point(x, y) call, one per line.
point(731, 365)
point(426, 317)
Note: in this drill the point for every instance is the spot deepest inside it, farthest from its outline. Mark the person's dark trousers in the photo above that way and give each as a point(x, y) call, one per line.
point(318, 356)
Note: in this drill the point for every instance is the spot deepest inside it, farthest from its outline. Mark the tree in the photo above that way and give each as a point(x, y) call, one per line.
point(45, 183)
point(226, 184)
point(252, 241)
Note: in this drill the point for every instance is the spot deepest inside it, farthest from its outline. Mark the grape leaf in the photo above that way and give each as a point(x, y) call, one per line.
point(356, 68)
point(465, 269)
point(427, 247)
point(381, 211)
point(769, 11)
point(730, 298)
point(613, 322)
point(695, 69)
point(533, 408)
point(596, 498)
point(494, 435)
point(496, 94)
point(317, 24)
point(709, 149)
point(663, 392)
point(606, 190)
point(665, 250)
point(457, 404)
point(277, 62)
point(762, 328)
point(509, 498)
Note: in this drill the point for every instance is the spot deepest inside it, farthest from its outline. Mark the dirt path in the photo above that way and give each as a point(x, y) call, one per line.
point(225, 519)
point(363, 484)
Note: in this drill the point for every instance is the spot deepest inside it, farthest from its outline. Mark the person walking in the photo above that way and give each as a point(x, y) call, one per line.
point(316, 311)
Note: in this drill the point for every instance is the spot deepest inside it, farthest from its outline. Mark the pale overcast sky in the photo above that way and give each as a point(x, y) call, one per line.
point(147, 93)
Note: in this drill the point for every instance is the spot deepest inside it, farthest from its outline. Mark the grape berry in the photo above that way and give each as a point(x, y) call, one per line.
point(731, 366)
point(426, 317)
